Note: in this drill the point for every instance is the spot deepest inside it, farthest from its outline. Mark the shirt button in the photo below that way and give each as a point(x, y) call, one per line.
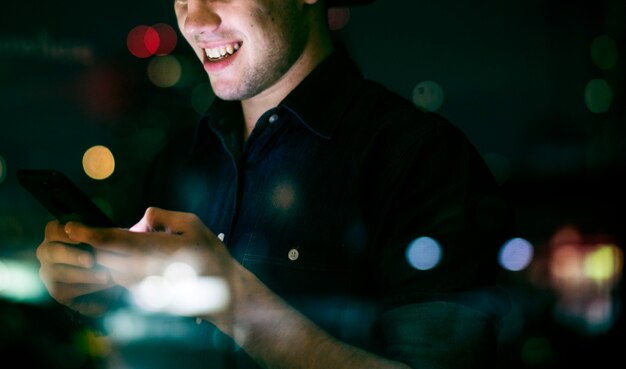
point(221, 237)
point(293, 254)
point(273, 118)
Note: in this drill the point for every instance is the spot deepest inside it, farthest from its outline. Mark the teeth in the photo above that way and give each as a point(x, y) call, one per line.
point(221, 52)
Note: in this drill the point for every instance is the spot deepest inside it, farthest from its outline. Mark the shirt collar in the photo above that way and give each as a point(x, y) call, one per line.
point(321, 98)
point(318, 101)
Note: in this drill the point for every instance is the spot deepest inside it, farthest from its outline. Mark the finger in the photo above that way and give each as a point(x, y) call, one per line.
point(157, 219)
point(122, 241)
point(111, 239)
point(141, 226)
point(67, 293)
point(61, 253)
point(61, 273)
point(55, 231)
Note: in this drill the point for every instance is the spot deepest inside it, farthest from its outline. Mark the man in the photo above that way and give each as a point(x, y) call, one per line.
point(321, 186)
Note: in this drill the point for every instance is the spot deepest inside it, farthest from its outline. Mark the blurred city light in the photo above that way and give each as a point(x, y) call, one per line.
point(19, 281)
point(284, 196)
point(144, 41)
point(516, 254)
point(598, 95)
point(428, 95)
point(603, 263)
point(338, 17)
point(604, 52)
point(98, 162)
point(201, 97)
point(3, 169)
point(424, 253)
point(180, 291)
point(536, 351)
point(584, 270)
point(167, 38)
point(164, 71)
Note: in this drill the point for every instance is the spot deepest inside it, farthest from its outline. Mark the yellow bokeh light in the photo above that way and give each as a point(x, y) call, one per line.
point(604, 263)
point(165, 71)
point(98, 162)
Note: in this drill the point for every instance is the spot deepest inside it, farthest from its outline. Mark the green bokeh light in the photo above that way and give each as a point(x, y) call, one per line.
point(604, 52)
point(598, 95)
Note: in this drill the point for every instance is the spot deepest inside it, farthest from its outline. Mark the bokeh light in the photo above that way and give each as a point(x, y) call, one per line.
point(179, 271)
point(536, 351)
point(181, 291)
point(516, 254)
point(604, 52)
point(3, 169)
point(201, 97)
point(424, 253)
point(283, 196)
point(19, 281)
point(154, 293)
point(603, 263)
point(428, 95)
point(338, 17)
point(584, 269)
point(98, 162)
point(598, 95)
point(167, 38)
point(142, 41)
point(164, 71)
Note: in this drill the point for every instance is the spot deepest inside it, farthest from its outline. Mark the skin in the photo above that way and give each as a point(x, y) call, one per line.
point(275, 55)
point(281, 42)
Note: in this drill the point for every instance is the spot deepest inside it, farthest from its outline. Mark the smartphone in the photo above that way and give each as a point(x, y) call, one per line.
point(62, 198)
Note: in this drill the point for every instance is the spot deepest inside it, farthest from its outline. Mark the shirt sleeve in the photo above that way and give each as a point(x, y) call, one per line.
point(442, 222)
point(440, 335)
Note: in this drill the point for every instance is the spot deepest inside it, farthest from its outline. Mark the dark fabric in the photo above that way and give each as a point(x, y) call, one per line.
point(348, 174)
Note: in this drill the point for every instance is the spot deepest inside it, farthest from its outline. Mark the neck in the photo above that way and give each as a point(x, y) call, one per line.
point(320, 45)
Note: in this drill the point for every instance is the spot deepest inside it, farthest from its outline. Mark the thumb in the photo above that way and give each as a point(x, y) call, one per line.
point(161, 220)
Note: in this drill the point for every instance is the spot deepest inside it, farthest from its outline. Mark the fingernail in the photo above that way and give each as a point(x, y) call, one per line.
point(68, 229)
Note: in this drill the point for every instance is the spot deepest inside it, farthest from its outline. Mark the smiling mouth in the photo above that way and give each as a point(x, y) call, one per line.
point(222, 52)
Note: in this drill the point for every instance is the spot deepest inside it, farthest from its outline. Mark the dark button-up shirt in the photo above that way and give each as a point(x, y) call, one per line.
point(327, 195)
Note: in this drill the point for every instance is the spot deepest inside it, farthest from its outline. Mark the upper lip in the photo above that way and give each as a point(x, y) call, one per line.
point(215, 44)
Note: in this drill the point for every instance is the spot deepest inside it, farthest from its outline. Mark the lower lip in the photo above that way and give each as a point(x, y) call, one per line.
point(216, 66)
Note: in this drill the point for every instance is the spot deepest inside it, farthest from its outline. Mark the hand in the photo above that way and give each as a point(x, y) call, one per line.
point(70, 272)
point(160, 239)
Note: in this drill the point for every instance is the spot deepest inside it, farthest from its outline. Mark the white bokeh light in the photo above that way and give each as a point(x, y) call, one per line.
point(181, 292)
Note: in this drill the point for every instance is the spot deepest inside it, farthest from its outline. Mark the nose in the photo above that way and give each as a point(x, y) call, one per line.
point(201, 17)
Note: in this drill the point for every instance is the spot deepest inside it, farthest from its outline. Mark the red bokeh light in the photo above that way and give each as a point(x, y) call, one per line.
point(144, 41)
point(168, 38)
point(338, 17)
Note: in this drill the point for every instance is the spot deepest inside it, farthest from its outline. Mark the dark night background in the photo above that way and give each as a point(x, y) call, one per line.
point(514, 76)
